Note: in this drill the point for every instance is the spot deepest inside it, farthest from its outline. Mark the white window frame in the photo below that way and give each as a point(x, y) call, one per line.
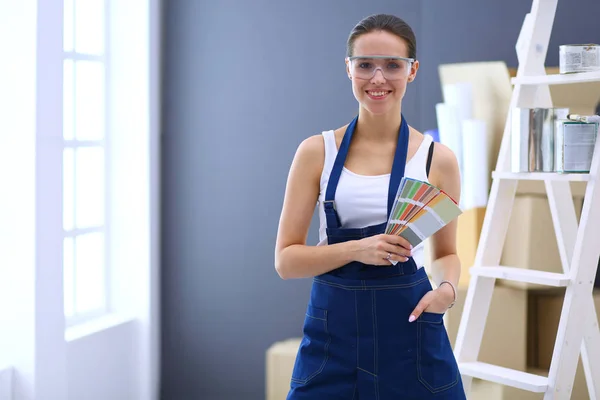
point(81, 317)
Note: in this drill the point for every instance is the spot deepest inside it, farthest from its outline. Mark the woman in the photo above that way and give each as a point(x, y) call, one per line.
point(373, 326)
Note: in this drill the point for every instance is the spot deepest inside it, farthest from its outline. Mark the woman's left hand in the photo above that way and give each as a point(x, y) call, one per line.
point(435, 301)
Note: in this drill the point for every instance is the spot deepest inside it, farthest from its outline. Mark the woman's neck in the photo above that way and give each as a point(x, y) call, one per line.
point(378, 127)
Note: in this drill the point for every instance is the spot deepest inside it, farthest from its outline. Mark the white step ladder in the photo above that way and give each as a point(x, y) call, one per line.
point(579, 246)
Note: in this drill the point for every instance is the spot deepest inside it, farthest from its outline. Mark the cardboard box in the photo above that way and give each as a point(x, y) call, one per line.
point(486, 390)
point(538, 188)
point(467, 239)
point(544, 317)
point(531, 240)
point(505, 336)
point(281, 357)
point(545, 310)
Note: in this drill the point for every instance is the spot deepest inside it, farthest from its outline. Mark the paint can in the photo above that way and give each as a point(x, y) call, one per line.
point(575, 58)
point(532, 138)
point(575, 142)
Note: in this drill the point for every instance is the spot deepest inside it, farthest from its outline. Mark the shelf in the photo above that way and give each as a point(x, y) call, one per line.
point(558, 79)
point(541, 176)
point(505, 376)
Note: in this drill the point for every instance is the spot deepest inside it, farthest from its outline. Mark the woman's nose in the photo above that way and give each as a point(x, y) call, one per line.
point(378, 76)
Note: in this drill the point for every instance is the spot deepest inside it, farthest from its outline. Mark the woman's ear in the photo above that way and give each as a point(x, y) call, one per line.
point(348, 69)
point(413, 71)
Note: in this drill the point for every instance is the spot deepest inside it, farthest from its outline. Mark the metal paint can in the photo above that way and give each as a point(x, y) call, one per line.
point(532, 138)
point(574, 146)
point(579, 58)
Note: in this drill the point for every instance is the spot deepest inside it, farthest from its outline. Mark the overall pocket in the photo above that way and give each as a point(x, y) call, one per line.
point(436, 366)
point(313, 352)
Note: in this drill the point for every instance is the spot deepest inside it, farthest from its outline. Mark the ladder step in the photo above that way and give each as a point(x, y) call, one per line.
point(557, 79)
point(541, 176)
point(505, 376)
point(522, 275)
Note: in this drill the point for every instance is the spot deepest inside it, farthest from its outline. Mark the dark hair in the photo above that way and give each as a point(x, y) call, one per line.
point(384, 22)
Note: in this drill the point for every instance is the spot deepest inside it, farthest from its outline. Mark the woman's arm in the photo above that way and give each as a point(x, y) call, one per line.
point(293, 258)
point(444, 174)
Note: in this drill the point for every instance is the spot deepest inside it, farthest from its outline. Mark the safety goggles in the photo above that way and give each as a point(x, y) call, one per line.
point(392, 68)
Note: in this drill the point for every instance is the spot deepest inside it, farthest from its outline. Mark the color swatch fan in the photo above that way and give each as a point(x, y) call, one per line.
point(420, 210)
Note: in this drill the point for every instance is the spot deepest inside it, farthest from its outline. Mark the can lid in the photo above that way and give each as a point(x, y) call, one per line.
point(580, 45)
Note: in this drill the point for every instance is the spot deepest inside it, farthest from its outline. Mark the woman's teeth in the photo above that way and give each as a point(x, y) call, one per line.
point(378, 94)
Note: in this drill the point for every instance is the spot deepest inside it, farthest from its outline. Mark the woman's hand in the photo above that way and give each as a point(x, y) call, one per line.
point(381, 249)
point(435, 301)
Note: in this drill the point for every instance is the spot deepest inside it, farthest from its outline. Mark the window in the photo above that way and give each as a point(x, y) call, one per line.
point(85, 154)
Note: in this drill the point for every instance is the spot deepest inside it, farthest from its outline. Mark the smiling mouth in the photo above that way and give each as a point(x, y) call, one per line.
point(378, 94)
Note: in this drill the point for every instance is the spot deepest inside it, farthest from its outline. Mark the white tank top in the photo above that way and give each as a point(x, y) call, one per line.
point(361, 200)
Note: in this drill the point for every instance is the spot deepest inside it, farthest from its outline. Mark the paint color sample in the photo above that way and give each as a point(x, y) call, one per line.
point(420, 210)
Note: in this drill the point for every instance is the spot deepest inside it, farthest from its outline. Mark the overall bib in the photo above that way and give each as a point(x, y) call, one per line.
point(357, 342)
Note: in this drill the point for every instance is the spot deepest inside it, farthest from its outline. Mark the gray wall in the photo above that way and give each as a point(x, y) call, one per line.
point(244, 83)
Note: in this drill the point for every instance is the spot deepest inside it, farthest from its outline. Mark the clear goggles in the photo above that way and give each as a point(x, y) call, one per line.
point(392, 68)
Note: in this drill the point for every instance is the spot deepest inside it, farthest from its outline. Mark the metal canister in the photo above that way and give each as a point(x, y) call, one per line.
point(575, 58)
point(532, 138)
point(574, 146)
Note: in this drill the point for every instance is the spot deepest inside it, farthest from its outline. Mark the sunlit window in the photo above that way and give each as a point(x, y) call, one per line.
point(85, 159)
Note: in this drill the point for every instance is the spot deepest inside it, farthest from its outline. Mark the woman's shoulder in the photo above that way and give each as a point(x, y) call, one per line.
point(444, 158)
point(444, 172)
point(313, 147)
point(310, 155)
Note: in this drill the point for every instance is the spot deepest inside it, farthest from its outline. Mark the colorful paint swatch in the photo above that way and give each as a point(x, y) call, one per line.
point(420, 210)
point(411, 197)
point(430, 219)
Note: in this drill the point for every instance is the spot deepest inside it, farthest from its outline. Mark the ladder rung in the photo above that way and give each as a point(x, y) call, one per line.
point(541, 176)
point(522, 275)
point(505, 376)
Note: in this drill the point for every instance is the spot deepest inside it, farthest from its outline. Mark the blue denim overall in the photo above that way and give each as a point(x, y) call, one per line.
point(357, 342)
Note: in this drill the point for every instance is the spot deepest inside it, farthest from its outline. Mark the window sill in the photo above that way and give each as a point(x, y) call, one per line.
point(96, 325)
point(6, 377)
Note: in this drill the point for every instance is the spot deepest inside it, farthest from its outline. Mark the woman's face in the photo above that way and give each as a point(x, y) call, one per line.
point(382, 92)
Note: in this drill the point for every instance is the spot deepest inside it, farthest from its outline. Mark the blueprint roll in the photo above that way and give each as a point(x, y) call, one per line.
point(449, 129)
point(460, 96)
point(476, 177)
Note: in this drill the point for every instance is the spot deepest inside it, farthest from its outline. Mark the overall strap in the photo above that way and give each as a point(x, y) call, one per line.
point(331, 215)
point(399, 164)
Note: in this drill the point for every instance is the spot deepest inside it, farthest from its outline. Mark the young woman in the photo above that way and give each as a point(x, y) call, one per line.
point(373, 330)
